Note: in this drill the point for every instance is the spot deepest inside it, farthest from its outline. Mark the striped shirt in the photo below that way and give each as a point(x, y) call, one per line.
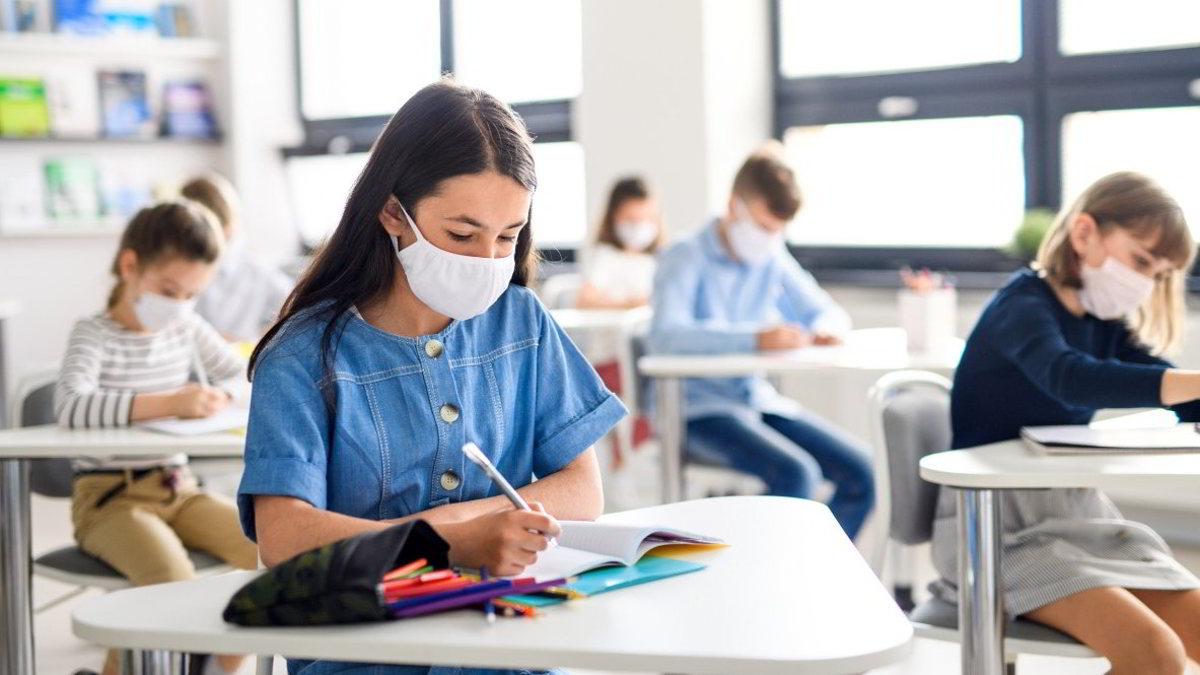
point(107, 365)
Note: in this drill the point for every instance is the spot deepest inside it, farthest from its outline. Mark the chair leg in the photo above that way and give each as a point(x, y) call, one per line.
point(61, 599)
point(264, 665)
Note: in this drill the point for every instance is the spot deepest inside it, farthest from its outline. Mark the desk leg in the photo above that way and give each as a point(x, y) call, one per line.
point(671, 438)
point(16, 603)
point(980, 601)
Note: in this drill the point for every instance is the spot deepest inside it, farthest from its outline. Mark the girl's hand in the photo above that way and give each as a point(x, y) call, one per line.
point(196, 400)
point(783, 337)
point(506, 542)
point(826, 339)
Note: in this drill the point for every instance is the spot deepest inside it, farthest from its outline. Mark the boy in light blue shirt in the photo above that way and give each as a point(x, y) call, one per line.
point(733, 287)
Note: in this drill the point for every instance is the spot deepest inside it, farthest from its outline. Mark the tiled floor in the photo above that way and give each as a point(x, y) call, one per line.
point(60, 653)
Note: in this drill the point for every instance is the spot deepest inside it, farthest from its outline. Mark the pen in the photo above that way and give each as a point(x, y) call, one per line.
point(476, 455)
point(201, 376)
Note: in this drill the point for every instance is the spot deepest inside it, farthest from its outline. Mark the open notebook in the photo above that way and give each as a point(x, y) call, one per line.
point(230, 418)
point(1080, 439)
point(585, 545)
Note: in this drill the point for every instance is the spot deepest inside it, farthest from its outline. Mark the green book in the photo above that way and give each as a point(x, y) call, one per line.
point(72, 190)
point(23, 110)
point(605, 579)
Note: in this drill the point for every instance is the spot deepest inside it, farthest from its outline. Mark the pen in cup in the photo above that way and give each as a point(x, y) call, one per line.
point(476, 455)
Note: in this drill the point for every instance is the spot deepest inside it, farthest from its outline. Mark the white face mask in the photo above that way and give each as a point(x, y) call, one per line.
point(457, 286)
point(636, 235)
point(156, 312)
point(1113, 290)
point(751, 243)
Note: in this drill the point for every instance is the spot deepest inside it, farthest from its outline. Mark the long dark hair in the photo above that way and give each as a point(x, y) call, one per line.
point(625, 189)
point(444, 130)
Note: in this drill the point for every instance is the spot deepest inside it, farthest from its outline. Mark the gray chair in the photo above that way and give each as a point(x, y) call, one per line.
point(910, 418)
point(33, 404)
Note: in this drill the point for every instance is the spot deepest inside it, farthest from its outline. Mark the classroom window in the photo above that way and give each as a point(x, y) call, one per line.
point(1099, 26)
point(921, 145)
point(349, 51)
point(869, 36)
point(1163, 143)
point(355, 71)
point(519, 50)
point(909, 183)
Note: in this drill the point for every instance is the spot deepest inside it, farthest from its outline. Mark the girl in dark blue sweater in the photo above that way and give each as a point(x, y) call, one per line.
point(1083, 332)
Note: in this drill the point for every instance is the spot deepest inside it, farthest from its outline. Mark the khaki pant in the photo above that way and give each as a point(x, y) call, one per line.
point(144, 532)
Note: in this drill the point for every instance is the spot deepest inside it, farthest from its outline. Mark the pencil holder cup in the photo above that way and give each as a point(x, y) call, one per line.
point(928, 318)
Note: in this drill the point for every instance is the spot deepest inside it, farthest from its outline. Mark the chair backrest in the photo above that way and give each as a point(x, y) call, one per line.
point(910, 418)
point(34, 405)
point(560, 290)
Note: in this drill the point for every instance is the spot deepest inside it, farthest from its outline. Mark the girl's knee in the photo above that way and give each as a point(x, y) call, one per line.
point(1153, 650)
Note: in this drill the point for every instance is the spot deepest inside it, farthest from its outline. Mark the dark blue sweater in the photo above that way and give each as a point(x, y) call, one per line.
point(1030, 362)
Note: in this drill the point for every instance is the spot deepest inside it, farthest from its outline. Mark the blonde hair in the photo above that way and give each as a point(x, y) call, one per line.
point(215, 192)
point(1135, 203)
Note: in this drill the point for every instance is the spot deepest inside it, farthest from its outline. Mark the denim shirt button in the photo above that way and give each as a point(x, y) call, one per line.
point(450, 481)
point(449, 413)
point(434, 349)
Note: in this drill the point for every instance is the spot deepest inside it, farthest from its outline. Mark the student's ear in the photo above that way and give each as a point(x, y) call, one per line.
point(391, 216)
point(127, 265)
point(1083, 231)
point(731, 211)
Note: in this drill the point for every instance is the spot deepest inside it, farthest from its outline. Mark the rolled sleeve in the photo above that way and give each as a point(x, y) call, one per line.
point(287, 438)
point(573, 409)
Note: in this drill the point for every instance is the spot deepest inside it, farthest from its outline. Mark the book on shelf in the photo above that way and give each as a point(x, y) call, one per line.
point(22, 204)
point(74, 102)
point(107, 17)
point(175, 20)
point(188, 110)
point(23, 109)
point(72, 190)
point(124, 106)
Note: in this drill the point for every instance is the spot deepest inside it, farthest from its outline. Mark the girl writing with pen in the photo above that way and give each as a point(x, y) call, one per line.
point(132, 362)
point(413, 332)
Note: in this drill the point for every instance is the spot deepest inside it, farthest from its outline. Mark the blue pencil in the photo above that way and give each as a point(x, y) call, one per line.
point(488, 606)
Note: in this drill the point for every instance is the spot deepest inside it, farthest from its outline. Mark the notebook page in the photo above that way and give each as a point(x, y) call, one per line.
point(563, 561)
point(627, 543)
point(229, 419)
point(1182, 436)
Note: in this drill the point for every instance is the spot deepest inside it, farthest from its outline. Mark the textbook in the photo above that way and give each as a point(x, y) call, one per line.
point(1084, 440)
point(585, 545)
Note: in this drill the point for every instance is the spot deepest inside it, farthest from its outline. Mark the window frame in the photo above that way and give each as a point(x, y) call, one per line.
point(1041, 87)
point(547, 121)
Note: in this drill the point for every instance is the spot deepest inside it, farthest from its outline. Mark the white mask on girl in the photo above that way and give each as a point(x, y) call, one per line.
point(751, 243)
point(457, 286)
point(1113, 290)
point(636, 235)
point(156, 312)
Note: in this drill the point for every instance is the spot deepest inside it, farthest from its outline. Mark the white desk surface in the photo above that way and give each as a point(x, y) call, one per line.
point(882, 349)
point(1012, 464)
point(53, 441)
point(571, 318)
point(791, 595)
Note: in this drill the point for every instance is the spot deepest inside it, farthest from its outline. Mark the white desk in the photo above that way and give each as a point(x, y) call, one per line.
point(871, 349)
point(791, 595)
point(979, 473)
point(17, 446)
point(571, 318)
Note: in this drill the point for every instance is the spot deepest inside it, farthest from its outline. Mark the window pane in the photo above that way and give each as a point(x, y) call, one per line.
point(941, 182)
point(1161, 143)
point(559, 211)
point(1092, 26)
point(519, 50)
point(366, 57)
point(818, 37)
point(320, 186)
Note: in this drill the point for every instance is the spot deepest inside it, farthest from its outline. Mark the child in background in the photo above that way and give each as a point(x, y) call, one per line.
point(1079, 332)
point(133, 362)
point(619, 273)
point(734, 287)
point(246, 294)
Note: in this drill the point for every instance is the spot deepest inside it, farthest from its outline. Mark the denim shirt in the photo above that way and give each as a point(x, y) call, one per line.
point(509, 380)
point(706, 302)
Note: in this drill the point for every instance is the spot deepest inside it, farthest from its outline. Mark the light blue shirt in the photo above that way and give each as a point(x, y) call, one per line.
point(706, 302)
point(509, 379)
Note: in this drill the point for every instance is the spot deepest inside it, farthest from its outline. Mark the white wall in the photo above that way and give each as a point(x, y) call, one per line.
point(676, 90)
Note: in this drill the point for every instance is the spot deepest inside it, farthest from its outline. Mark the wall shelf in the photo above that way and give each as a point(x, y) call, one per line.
point(106, 140)
point(147, 47)
point(62, 232)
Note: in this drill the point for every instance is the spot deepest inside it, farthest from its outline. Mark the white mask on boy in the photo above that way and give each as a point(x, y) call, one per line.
point(636, 235)
point(156, 312)
point(1113, 290)
point(457, 286)
point(751, 243)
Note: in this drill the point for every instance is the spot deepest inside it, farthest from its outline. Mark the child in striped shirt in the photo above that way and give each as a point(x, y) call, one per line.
point(133, 362)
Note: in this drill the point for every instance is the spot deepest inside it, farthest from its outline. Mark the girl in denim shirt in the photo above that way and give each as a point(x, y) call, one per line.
point(412, 333)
